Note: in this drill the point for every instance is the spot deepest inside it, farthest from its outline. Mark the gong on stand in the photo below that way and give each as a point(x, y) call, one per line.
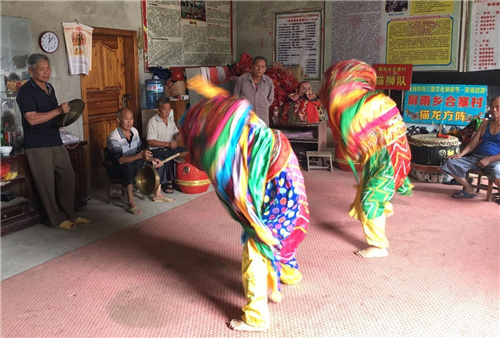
point(147, 179)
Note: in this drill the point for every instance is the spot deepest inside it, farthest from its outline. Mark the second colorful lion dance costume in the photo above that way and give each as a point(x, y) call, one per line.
point(369, 129)
point(257, 178)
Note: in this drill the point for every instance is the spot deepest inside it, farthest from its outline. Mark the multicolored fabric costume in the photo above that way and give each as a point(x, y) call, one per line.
point(369, 129)
point(257, 178)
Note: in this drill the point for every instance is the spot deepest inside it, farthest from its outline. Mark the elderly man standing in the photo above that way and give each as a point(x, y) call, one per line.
point(47, 157)
point(257, 88)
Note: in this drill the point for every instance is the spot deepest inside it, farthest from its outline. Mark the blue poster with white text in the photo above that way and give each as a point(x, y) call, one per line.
point(443, 103)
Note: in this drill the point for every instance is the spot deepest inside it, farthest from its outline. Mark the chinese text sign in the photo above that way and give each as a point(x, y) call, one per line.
point(447, 104)
point(393, 76)
point(298, 41)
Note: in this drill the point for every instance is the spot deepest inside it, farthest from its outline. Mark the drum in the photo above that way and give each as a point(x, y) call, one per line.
point(191, 180)
point(428, 154)
point(427, 149)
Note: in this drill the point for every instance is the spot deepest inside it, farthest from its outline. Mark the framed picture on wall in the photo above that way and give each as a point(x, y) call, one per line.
point(187, 33)
point(298, 40)
point(193, 10)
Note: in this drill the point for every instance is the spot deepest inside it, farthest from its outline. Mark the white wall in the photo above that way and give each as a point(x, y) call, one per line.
point(255, 23)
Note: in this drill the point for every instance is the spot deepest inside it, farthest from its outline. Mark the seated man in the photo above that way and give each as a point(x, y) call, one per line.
point(304, 91)
point(125, 148)
point(302, 106)
point(162, 136)
point(486, 157)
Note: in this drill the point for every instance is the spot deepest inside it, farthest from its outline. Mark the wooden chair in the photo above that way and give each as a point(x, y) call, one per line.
point(109, 181)
point(480, 175)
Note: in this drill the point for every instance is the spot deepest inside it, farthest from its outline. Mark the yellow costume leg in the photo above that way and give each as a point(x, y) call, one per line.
point(254, 270)
point(372, 202)
point(374, 230)
point(389, 209)
point(290, 275)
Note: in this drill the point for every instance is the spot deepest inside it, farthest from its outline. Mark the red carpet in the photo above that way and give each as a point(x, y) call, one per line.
point(178, 274)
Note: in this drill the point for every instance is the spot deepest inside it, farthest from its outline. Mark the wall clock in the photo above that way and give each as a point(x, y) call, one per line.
point(48, 41)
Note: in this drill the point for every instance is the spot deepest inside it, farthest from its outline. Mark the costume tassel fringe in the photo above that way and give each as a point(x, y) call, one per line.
point(204, 87)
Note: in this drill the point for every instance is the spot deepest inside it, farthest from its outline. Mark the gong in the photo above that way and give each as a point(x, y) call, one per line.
point(147, 179)
point(76, 108)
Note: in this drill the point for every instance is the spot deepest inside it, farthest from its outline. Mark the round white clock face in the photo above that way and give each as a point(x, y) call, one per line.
point(49, 42)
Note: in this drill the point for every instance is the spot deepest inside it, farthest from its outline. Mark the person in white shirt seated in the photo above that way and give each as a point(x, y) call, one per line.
point(162, 137)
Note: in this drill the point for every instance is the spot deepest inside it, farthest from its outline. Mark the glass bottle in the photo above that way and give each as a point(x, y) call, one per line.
point(275, 115)
point(7, 135)
point(17, 138)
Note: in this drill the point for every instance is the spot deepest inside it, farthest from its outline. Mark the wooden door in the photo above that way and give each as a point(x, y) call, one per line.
point(112, 83)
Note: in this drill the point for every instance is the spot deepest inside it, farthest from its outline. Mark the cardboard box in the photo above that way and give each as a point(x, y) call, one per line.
point(178, 88)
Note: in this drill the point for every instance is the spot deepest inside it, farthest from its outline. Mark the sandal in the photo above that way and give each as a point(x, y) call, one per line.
point(168, 188)
point(463, 194)
point(82, 220)
point(135, 211)
point(66, 225)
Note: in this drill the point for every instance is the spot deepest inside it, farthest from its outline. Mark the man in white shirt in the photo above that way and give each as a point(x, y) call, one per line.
point(162, 136)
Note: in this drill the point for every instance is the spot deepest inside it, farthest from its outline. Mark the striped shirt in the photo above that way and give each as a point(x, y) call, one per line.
point(119, 145)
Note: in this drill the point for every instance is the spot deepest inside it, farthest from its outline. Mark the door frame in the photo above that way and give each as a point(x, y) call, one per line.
point(131, 66)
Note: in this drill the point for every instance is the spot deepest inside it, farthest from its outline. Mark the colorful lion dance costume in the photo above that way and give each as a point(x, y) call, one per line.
point(257, 178)
point(369, 129)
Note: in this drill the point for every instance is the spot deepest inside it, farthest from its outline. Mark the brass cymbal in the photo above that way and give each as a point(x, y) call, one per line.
point(76, 108)
point(147, 180)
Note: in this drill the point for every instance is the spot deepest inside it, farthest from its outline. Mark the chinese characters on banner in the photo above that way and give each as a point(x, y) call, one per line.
point(298, 41)
point(425, 34)
point(186, 33)
point(483, 35)
point(447, 104)
point(393, 76)
point(78, 39)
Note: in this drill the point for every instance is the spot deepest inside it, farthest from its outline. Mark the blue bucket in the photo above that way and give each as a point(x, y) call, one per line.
point(155, 90)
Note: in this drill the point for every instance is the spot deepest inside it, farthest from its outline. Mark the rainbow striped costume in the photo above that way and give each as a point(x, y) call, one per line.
point(257, 178)
point(369, 129)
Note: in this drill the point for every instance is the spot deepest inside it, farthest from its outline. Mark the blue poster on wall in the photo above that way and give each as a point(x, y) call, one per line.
point(443, 103)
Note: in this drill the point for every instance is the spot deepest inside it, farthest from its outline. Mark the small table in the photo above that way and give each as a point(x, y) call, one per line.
point(322, 154)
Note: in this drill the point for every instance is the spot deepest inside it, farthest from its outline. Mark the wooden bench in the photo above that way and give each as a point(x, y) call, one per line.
point(319, 154)
point(480, 175)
